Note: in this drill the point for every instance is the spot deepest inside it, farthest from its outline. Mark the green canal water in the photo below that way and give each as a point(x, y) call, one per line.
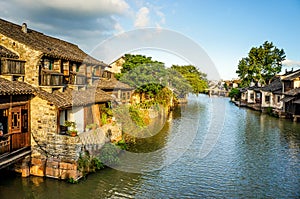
point(243, 154)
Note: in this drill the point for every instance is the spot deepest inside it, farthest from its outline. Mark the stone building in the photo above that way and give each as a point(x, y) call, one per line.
point(50, 63)
point(63, 82)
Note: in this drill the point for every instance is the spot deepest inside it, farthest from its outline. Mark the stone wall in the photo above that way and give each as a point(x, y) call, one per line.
point(53, 155)
point(32, 58)
point(93, 140)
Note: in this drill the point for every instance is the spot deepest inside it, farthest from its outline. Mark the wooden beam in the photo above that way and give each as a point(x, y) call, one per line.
point(12, 104)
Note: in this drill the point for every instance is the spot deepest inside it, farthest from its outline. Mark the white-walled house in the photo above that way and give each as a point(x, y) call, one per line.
point(271, 95)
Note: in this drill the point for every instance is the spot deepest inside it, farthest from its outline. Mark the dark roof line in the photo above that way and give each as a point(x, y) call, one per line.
point(49, 46)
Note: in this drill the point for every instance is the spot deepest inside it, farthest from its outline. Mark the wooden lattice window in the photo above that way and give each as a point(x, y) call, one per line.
point(16, 119)
point(24, 122)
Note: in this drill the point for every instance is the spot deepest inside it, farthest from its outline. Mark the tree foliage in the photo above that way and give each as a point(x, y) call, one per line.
point(150, 76)
point(235, 93)
point(195, 78)
point(261, 65)
point(134, 61)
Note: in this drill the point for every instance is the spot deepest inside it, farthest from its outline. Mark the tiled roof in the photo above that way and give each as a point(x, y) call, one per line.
point(50, 46)
point(252, 88)
point(275, 85)
point(296, 101)
point(287, 99)
point(4, 52)
point(292, 76)
point(278, 92)
point(293, 92)
point(15, 88)
point(111, 84)
point(71, 98)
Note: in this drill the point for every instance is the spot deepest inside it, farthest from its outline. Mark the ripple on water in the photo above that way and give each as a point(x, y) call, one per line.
point(256, 156)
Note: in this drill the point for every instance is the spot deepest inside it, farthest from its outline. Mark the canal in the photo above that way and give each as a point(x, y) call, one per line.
point(207, 149)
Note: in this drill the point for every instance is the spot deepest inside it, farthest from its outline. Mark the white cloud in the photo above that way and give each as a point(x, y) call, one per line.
point(80, 7)
point(83, 22)
point(142, 17)
point(290, 63)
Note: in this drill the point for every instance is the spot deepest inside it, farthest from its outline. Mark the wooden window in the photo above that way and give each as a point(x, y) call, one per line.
point(251, 96)
point(10, 66)
point(16, 119)
point(267, 99)
point(278, 99)
point(24, 122)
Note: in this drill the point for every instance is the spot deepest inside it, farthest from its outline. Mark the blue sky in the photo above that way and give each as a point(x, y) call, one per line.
point(225, 29)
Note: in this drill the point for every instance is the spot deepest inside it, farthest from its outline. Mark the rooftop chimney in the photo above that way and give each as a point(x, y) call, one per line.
point(24, 27)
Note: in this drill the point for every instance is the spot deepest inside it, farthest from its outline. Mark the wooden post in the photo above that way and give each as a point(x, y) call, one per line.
point(96, 114)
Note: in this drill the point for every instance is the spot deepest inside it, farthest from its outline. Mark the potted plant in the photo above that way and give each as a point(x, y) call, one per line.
point(72, 131)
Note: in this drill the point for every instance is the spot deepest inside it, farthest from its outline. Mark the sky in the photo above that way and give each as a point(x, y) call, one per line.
point(225, 29)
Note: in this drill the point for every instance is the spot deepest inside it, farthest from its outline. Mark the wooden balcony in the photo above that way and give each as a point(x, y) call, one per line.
point(13, 147)
point(12, 67)
point(51, 78)
point(77, 79)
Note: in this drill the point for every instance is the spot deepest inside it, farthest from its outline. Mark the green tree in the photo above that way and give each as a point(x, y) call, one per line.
point(261, 65)
point(152, 78)
point(235, 93)
point(196, 78)
point(134, 61)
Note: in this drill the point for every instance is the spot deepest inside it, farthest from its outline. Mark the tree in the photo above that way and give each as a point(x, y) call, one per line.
point(150, 76)
point(134, 61)
point(235, 93)
point(261, 65)
point(195, 78)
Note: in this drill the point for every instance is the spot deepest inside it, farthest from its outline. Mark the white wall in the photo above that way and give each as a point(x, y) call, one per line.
point(249, 100)
point(296, 83)
point(78, 116)
point(263, 99)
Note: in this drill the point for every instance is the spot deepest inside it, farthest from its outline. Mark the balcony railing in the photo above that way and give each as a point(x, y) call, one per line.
point(51, 78)
point(14, 141)
point(77, 79)
point(12, 67)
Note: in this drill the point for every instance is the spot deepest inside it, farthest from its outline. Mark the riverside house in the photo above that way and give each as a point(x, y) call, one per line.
point(120, 92)
point(14, 120)
point(49, 81)
point(271, 95)
point(291, 89)
point(281, 96)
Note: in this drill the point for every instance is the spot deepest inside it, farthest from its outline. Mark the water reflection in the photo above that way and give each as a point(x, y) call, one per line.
point(256, 156)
